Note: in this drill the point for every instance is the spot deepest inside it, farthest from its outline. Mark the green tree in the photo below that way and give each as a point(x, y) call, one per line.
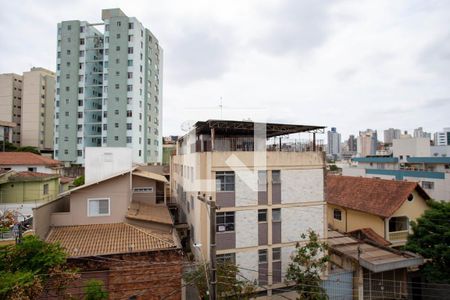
point(431, 239)
point(94, 290)
point(230, 283)
point(79, 181)
point(27, 267)
point(308, 262)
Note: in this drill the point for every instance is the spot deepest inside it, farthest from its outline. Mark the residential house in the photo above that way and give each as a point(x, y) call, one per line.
point(411, 160)
point(267, 194)
point(120, 229)
point(385, 206)
point(27, 161)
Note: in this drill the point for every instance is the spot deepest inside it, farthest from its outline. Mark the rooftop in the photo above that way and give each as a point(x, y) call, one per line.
point(26, 158)
point(106, 239)
point(31, 176)
point(152, 213)
point(370, 256)
point(247, 128)
point(374, 196)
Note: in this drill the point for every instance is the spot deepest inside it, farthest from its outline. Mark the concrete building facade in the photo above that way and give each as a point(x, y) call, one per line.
point(267, 199)
point(334, 143)
point(391, 134)
point(109, 88)
point(28, 101)
point(367, 143)
point(442, 138)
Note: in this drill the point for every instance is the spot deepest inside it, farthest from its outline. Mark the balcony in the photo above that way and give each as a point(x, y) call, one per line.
point(398, 238)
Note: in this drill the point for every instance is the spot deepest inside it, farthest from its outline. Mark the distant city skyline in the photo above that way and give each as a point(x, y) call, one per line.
point(348, 65)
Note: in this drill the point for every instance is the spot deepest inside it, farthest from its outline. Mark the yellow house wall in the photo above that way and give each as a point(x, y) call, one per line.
point(412, 209)
point(352, 220)
point(20, 192)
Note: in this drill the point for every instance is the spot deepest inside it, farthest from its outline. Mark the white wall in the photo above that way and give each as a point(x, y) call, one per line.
point(411, 147)
point(441, 190)
point(246, 188)
point(301, 186)
point(102, 162)
point(248, 260)
point(297, 220)
point(22, 168)
point(246, 228)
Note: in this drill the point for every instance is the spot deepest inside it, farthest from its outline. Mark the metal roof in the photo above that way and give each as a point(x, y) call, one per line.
point(243, 128)
point(375, 258)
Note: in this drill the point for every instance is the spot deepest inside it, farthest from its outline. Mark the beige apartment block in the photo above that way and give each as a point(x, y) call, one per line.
point(38, 97)
point(11, 86)
point(268, 194)
point(28, 101)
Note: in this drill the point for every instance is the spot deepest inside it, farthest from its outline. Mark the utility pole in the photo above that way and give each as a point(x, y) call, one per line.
point(212, 243)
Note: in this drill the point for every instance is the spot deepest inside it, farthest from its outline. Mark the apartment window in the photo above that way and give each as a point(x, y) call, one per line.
point(276, 176)
point(130, 62)
point(80, 78)
point(116, 112)
point(130, 88)
point(66, 152)
point(129, 126)
point(117, 61)
point(79, 153)
point(262, 215)
point(128, 139)
point(69, 27)
point(81, 41)
point(105, 126)
point(337, 214)
point(68, 52)
point(119, 23)
point(79, 127)
point(129, 113)
point(276, 254)
point(130, 75)
point(130, 25)
point(116, 138)
point(225, 221)
point(80, 90)
point(79, 140)
point(117, 48)
point(225, 181)
point(116, 125)
point(117, 86)
point(130, 50)
point(98, 207)
point(80, 102)
point(262, 256)
point(276, 214)
point(130, 38)
point(68, 64)
point(66, 113)
point(429, 185)
point(118, 36)
point(81, 28)
point(229, 258)
point(81, 66)
point(67, 89)
point(80, 115)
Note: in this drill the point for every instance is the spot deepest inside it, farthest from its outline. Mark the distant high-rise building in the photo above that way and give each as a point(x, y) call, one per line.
point(352, 143)
point(391, 134)
point(442, 138)
point(28, 100)
point(109, 88)
point(334, 143)
point(419, 133)
point(367, 143)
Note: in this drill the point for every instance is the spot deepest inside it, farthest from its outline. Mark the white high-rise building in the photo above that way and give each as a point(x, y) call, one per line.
point(109, 88)
point(442, 138)
point(419, 133)
point(367, 143)
point(334, 143)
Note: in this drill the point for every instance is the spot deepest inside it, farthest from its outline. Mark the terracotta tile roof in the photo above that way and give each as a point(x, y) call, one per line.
point(104, 239)
point(65, 179)
point(369, 234)
point(29, 174)
point(375, 196)
point(26, 158)
point(152, 213)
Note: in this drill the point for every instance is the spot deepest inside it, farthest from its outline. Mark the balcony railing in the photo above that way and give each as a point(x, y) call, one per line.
point(396, 236)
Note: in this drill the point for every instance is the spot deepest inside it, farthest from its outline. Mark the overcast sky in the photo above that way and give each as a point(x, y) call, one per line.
point(346, 64)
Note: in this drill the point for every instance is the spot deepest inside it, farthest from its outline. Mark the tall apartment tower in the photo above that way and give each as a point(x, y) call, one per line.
point(28, 100)
point(11, 86)
point(442, 138)
point(334, 143)
point(391, 134)
point(109, 88)
point(367, 143)
point(352, 143)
